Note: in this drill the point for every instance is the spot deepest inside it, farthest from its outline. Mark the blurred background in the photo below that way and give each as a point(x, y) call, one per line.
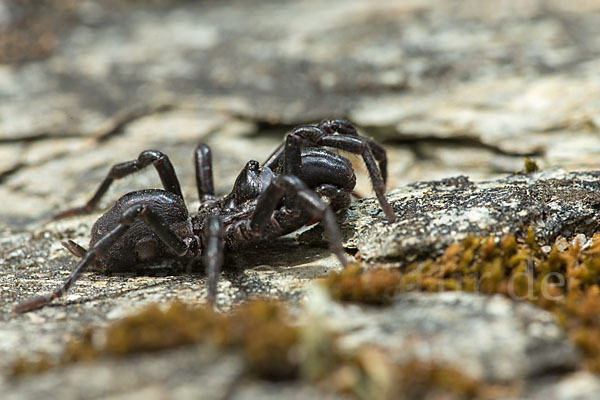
point(450, 87)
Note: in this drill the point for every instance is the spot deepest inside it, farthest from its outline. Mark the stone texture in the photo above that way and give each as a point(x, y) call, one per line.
point(458, 87)
point(491, 338)
point(34, 263)
point(495, 114)
point(162, 375)
point(433, 215)
point(577, 386)
point(156, 376)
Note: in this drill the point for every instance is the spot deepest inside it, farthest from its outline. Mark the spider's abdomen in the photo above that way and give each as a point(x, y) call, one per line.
point(139, 243)
point(320, 166)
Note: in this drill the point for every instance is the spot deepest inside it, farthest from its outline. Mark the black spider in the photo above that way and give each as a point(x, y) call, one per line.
point(279, 197)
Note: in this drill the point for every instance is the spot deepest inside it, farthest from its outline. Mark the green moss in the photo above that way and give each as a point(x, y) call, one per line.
point(564, 281)
point(376, 286)
point(38, 364)
point(530, 166)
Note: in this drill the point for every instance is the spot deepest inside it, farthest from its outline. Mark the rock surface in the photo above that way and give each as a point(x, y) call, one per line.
point(492, 339)
point(581, 385)
point(433, 215)
point(460, 329)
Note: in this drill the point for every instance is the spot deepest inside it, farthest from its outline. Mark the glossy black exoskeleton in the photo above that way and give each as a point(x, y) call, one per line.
point(280, 196)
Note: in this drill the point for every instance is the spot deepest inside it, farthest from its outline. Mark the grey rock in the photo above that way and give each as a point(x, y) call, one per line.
point(173, 374)
point(494, 114)
point(34, 262)
point(301, 58)
point(580, 385)
point(192, 372)
point(286, 390)
point(432, 215)
point(508, 79)
point(493, 339)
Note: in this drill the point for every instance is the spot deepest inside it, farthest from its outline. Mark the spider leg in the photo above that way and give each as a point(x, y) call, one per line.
point(160, 161)
point(204, 173)
point(306, 199)
point(339, 199)
point(278, 155)
point(101, 246)
point(353, 144)
point(275, 157)
point(74, 248)
point(344, 127)
point(212, 257)
point(359, 145)
point(340, 126)
point(335, 126)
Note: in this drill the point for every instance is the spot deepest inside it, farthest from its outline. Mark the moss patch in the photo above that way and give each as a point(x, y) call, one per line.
point(563, 278)
point(530, 166)
point(374, 286)
point(273, 348)
point(369, 374)
point(260, 329)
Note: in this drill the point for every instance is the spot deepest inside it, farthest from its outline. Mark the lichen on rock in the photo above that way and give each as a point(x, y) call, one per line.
point(433, 215)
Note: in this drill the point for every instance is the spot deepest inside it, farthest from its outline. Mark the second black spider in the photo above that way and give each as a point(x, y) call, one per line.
point(270, 200)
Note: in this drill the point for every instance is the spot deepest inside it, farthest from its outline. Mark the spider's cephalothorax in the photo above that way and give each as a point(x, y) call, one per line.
point(280, 196)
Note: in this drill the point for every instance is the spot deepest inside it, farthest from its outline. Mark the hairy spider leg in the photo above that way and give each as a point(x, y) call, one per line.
point(212, 256)
point(306, 199)
point(353, 144)
point(204, 173)
point(100, 247)
point(160, 161)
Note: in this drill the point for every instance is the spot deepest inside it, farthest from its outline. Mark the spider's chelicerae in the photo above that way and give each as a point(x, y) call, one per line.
point(273, 199)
